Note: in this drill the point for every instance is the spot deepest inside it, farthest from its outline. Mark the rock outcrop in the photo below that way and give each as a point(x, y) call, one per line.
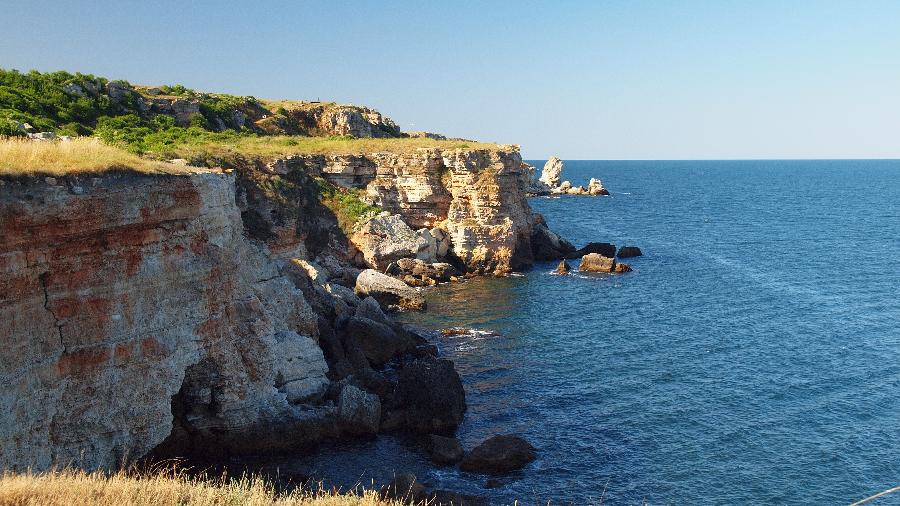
point(629, 252)
point(499, 454)
point(389, 292)
point(595, 262)
point(550, 182)
point(386, 238)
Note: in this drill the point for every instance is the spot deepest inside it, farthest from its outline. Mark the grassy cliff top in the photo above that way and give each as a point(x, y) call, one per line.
point(78, 156)
point(95, 489)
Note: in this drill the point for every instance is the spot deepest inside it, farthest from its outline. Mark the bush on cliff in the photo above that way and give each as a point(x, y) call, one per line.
point(168, 487)
point(346, 205)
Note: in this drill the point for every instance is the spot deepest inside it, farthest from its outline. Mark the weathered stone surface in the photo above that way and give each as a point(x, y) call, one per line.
point(552, 172)
point(389, 292)
point(499, 454)
point(430, 395)
point(415, 272)
point(144, 287)
point(595, 187)
point(546, 244)
point(378, 342)
point(594, 262)
point(629, 252)
point(445, 450)
point(358, 411)
point(563, 268)
point(387, 238)
point(620, 267)
point(369, 308)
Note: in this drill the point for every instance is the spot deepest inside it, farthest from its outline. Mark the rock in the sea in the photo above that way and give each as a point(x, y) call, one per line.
point(390, 293)
point(552, 172)
point(546, 244)
point(620, 267)
point(387, 238)
point(595, 187)
point(629, 251)
point(378, 342)
point(445, 450)
point(499, 454)
point(603, 248)
point(359, 411)
point(430, 393)
point(594, 262)
point(563, 268)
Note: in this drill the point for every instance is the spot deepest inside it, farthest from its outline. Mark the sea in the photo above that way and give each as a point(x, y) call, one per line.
point(751, 357)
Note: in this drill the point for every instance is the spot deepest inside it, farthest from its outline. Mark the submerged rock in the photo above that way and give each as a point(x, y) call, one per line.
point(389, 292)
point(629, 251)
point(499, 454)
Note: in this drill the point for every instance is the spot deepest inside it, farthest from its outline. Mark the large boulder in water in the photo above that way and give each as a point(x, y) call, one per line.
point(563, 268)
point(390, 293)
point(629, 251)
point(594, 262)
point(595, 187)
point(547, 244)
point(445, 450)
point(430, 395)
point(603, 248)
point(499, 454)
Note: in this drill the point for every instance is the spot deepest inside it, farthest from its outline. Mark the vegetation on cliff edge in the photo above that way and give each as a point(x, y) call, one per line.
point(96, 489)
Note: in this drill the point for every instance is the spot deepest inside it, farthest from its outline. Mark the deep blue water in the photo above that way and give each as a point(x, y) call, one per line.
point(753, 356)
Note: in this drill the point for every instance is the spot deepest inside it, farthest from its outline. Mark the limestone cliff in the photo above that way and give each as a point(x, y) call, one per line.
point(120, 291)
point(476, 196)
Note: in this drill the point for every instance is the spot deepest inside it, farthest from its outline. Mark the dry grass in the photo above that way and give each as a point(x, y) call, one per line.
point(80, 155)
point(278, 146)
point(122, 489)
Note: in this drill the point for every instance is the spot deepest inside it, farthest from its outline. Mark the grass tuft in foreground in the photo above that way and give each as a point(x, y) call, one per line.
point(168, 487)
point(78, 156)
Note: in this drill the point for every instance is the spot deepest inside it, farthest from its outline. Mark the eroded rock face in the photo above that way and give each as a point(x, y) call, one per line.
point(552, 173)
point(594, 262)
point(385, 239)
point(122, 292)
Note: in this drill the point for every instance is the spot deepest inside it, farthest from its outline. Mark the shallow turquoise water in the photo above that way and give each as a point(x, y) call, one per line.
point(753, 356)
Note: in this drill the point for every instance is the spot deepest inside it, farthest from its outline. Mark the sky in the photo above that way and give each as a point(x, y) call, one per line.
point(629, 79)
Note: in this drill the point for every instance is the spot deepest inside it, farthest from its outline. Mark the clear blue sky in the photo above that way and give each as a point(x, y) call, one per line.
point(594, 79)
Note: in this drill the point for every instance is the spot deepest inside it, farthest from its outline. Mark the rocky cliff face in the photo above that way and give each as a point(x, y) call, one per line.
point(477, 197)
point(123, 291)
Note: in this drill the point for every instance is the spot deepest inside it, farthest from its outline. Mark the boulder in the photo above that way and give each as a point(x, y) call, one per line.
point(370, 309)
point(445, 450)
point(387, 238)
point(312, 269)
point(594, 262)
point(442, 241)
point(416, 272)
point(620, 268)
point(595, 187)
point(498, 455)
point(358, 411)
point(603, 248)
point(300, 367)
point(629, 251)
point(563, 268)
point(389, 292)
point(405, 489)
point(430, 393)
point(378, 342)
point(552, 172)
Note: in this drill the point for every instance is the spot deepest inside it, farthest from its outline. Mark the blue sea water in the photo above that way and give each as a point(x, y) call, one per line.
point(753, 356)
